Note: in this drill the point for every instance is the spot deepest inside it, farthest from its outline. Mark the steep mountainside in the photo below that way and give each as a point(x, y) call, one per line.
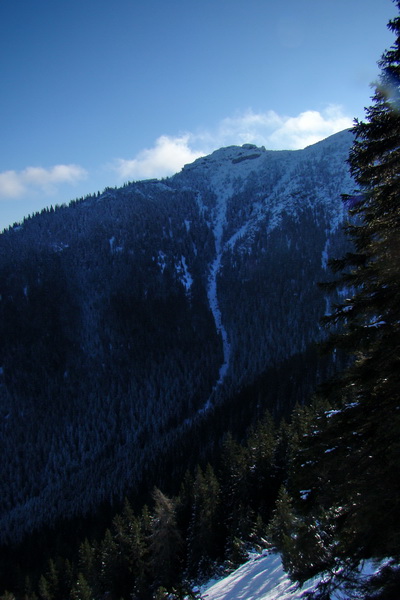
point(135, 319)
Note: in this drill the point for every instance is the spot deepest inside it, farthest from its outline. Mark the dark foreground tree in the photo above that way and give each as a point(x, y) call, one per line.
point(345, 482)
point(165, 542)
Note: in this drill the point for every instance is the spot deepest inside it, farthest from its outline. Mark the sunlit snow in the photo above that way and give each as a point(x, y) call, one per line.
point(261, 578)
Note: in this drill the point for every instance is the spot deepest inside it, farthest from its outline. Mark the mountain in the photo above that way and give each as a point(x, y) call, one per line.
point(139, 325)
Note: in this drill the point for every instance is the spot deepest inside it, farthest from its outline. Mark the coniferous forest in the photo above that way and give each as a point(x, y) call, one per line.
point(195, 367)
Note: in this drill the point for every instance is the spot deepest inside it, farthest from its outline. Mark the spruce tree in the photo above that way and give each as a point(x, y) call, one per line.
point(204, 530)
point(370, 387)
point(347, 467)
point(81, 589)
point(165, 542)
point(282, 529)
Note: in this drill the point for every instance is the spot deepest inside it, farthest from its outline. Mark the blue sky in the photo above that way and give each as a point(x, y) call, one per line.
point(95, 93)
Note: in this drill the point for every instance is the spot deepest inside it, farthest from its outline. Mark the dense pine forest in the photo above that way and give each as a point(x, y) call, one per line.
point(182, 381)
point(175, 541)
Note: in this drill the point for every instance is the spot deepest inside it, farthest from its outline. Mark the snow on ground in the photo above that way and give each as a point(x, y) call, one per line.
point(261, 578)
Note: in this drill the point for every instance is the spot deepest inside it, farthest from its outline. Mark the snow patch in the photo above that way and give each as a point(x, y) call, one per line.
point(183, 274)
point(304, 494)
point(330, 413)
point(325, 255)
point(161, 262)
point(59, 247)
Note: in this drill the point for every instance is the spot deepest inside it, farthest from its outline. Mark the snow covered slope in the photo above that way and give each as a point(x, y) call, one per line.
point(261, 578)
point(259, 205)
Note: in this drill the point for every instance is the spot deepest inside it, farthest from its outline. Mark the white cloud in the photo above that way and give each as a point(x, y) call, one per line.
point(269, 129)
point(167, 156)
point(279, 132)
point(14, 184)
point(11, 185)
point(309, 127)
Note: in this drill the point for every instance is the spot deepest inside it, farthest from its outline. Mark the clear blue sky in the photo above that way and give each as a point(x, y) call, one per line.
point(98, 92)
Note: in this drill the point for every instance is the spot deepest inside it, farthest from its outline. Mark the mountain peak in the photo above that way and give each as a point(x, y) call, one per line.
point(246, 156)
point(227, 154)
